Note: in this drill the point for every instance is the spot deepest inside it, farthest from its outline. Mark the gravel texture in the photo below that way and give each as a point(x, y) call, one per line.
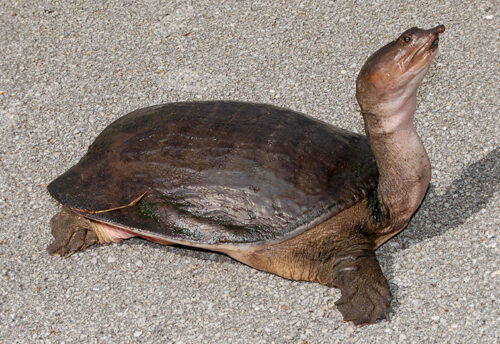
point(69, 68)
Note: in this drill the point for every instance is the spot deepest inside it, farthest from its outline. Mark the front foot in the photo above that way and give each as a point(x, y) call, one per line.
point(365, 291)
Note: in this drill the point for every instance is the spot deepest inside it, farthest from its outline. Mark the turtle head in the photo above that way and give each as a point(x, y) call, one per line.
point(388, 81)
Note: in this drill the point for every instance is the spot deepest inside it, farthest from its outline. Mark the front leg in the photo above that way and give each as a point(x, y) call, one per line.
point(365, 291)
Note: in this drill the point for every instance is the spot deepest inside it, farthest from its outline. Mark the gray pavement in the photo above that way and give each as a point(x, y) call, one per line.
point(69, 68)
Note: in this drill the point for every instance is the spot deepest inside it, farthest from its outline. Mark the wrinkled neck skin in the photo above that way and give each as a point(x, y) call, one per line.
point(403, 164)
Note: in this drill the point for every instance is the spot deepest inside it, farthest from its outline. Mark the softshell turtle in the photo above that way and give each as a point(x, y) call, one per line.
point(270, 187)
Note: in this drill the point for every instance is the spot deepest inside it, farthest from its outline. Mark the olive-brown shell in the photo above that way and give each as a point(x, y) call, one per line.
point(218, 172)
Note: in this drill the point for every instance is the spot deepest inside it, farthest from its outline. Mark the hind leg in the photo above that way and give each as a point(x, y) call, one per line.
point(73, 233)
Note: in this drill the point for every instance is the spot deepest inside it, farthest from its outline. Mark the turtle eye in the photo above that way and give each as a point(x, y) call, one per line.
point(407, 39)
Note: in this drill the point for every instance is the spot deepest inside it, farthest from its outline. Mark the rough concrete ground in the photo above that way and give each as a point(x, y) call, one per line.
point(69, 68)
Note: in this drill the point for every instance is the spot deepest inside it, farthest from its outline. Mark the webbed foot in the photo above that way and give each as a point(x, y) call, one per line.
point(365, 291)
point(72, 233)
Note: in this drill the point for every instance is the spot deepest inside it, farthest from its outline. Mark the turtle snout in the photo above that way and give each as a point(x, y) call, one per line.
point(435, 32)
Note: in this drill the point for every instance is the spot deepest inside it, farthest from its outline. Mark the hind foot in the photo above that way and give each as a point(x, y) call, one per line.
point(73, 233)
point(366, 296)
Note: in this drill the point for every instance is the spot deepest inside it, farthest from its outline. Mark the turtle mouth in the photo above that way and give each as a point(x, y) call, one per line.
point(422, 56)
point(434, 44)
point(436, 31)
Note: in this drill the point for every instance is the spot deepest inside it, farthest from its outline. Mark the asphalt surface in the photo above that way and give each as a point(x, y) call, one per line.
point(68, 69)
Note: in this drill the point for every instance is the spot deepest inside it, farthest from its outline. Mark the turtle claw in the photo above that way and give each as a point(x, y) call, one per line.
point(365, 296)
point(78, 241)
point(70, 234)
point(365, 306)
